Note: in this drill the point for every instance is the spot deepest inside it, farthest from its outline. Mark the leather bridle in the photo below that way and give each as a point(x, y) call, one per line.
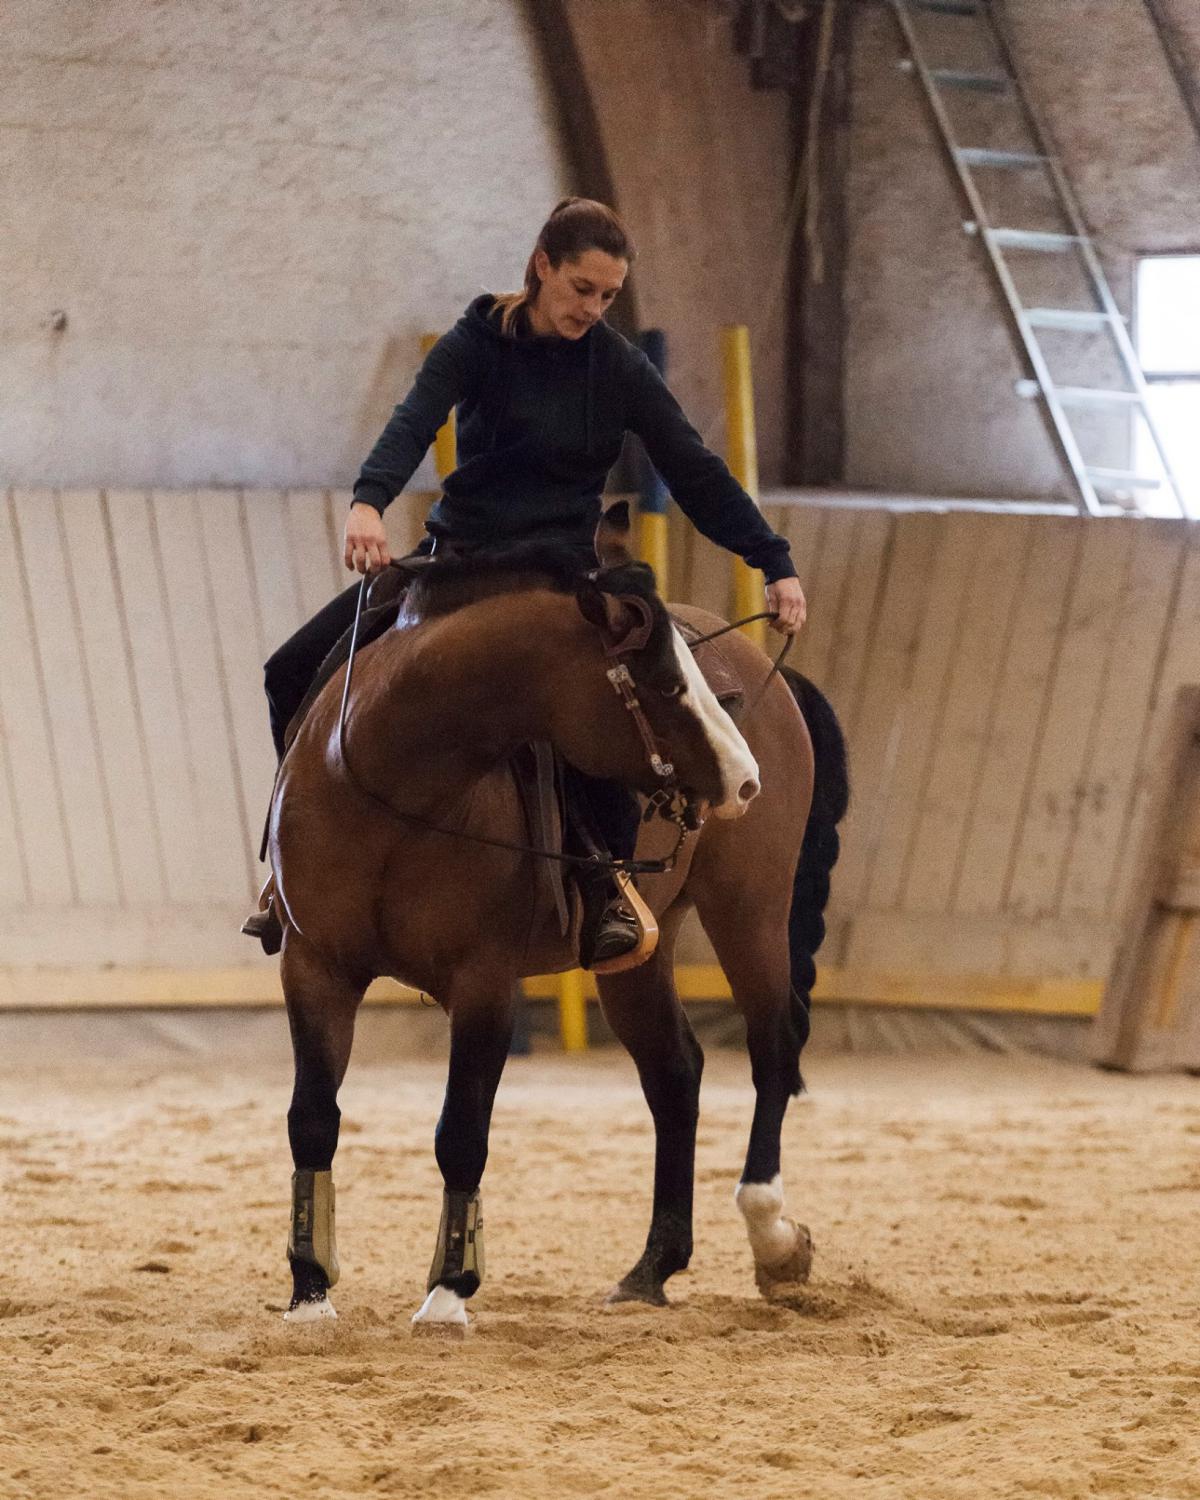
point(670, 801)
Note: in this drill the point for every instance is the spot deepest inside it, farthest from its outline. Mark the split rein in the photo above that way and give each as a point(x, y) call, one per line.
point(668, 800)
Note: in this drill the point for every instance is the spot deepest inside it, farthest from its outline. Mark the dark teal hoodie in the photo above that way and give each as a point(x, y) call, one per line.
point(540, 423)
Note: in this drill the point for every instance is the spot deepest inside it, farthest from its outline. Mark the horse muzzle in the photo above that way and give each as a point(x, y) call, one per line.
point(735, 805)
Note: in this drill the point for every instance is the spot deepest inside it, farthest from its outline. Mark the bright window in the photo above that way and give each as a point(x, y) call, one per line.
point(1167, 333)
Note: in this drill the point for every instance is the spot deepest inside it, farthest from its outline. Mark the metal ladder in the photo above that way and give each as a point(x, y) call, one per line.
point(1103, 491)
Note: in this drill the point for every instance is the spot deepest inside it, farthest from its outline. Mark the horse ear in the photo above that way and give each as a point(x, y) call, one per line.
point(624, 620)
point(605, 611)
point(612, 536)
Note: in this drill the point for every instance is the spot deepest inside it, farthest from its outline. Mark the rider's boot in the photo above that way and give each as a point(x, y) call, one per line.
point(264, 924)
point(619, 931)
point(626, 932)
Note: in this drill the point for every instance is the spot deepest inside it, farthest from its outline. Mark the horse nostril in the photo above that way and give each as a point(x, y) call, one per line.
point(748, 790)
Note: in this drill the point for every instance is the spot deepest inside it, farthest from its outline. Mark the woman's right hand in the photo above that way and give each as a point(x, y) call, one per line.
point(366, 546)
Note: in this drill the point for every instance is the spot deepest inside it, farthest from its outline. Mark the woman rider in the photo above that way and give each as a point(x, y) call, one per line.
point(545, 391)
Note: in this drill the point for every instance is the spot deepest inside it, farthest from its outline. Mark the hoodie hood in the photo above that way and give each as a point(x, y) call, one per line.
point(481, 316)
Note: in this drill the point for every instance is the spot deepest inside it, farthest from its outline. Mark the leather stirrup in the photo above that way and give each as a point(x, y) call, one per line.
point(645, 917)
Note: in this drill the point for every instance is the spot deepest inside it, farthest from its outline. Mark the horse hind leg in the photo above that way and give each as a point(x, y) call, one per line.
point(643, 1009)
point(752, 947)
point(321, 1007)
point(777, 990)
point(766, 929)
point(782, 1248)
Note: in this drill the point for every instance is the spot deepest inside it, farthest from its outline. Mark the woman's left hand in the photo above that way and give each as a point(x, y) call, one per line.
point(786, 598)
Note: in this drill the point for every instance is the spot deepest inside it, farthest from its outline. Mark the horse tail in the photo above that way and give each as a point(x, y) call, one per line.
point(819, 851)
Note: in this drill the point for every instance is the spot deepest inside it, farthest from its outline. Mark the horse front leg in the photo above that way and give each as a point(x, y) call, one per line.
point(752, 946)
point(481, 1026)
point(321, 1007)
point(643, 1009)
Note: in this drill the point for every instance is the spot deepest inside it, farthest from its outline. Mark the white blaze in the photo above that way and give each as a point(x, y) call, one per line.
point(737, 765)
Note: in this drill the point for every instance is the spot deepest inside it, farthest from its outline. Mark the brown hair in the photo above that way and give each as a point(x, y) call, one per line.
point(575, 226)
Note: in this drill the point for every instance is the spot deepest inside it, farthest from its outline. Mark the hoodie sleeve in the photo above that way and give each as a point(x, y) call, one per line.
point(444, 378)
point(699, 481)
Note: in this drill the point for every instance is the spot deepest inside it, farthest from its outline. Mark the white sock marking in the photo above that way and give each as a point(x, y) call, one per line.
point(737, 764)
point(310, 1312)
point(772, 1238)
point(442, 1306)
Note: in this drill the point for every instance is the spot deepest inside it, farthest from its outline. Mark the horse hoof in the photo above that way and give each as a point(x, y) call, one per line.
point(310, 1312)
point(637, 1291)
point(444, 1312)
point(794, 1270)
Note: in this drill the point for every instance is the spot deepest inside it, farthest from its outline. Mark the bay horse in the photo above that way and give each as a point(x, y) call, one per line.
point(489, 654)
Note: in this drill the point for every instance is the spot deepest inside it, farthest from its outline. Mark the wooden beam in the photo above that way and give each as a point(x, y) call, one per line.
point(1045, 997)
point(1183, 70)
point(1150, 1018)
point(130, 988)
point(579, 124)
point(161, 988)
point(816, 305)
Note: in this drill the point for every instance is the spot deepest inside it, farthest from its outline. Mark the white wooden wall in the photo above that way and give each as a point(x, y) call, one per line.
point(135, 760)
point(1004, 683)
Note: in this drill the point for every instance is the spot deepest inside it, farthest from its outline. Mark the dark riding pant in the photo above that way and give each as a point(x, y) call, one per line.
point(614, 811)
point(289, 671)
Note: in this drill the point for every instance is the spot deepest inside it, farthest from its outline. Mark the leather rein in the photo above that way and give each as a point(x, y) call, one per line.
point(668, 801)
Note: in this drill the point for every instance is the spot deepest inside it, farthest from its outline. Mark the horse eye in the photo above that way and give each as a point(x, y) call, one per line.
point(672, 690)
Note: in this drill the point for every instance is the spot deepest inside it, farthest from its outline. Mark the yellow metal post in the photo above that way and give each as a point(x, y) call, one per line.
point(652, 545)
point(741, 454)
point(445, 445)
point(572, 1011)
point(654, 501)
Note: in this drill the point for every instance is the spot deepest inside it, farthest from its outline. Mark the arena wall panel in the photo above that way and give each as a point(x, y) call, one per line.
point(1004, 682)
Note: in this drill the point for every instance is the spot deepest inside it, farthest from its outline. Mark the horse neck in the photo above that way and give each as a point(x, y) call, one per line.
point(464, 689)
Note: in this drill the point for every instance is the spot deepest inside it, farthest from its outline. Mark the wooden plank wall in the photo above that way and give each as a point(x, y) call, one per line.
point(1004, 683)
point(135, 760)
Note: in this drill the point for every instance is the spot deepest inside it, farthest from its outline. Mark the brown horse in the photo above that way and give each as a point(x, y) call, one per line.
point(485, 657)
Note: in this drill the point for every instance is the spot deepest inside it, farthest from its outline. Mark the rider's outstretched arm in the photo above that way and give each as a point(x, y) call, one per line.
point(699, 481)
point(442, 381)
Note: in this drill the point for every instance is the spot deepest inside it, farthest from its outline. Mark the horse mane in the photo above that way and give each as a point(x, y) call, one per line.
point(441, 585)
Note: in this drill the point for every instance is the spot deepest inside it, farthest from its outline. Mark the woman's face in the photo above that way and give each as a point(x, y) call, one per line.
point(577, 293)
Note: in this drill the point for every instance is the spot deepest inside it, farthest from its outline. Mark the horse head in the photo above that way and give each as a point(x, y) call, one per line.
point(690, 730)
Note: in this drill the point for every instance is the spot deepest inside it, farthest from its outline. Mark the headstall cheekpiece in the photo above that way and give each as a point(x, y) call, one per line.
point(622, 681)
point(670, 801)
